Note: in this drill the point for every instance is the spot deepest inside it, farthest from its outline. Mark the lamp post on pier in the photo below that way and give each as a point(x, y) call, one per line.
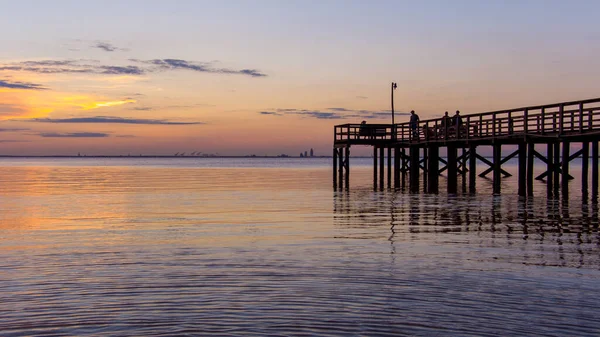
point(394, 86)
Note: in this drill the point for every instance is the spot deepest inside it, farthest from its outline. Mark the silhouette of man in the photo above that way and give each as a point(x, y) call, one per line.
point(446, 123)
point(414, 123)
point(457, 122)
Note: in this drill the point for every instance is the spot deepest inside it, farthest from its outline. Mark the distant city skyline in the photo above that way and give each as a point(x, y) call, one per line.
point(272, 77)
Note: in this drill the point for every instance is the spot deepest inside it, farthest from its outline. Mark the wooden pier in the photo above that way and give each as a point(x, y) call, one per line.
point(405, 152)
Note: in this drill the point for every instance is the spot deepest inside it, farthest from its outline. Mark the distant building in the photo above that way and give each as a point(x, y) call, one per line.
point(306, 153)
point(301, 155)
point(312, 153)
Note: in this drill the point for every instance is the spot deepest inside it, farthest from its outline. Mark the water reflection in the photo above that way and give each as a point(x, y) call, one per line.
point(501, 228)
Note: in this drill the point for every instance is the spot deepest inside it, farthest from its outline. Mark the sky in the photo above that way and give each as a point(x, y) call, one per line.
point(274, 77)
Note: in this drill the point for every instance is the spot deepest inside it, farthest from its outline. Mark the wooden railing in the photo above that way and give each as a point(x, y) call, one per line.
point(567, 118)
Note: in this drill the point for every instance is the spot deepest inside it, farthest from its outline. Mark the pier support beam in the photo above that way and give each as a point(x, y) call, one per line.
point(497, 168)
point(550, 168)
point(433, 168)
point(530, 157)
point(425, 168)
point(463, 169)
point(452, 169)
point(585, 164)
point(389, 167)
point(397, 167)
point(381, 167)
point(595, 169)
point(341, 168)
point(403, 170)
point(375, 167)
point(335, 161)
point(557, 167)
point(347, 167)
point(414, 169)
point(522, 169)
point(566, 146)
point(472, 168)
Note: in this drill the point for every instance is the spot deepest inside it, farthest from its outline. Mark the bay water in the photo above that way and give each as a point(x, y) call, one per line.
point(265, 246)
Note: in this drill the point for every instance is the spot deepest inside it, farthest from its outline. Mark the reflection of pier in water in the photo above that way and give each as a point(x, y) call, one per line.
point(414, 155)
point(530, 231)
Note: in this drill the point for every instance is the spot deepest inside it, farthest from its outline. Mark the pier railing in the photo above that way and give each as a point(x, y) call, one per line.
point(559, 119)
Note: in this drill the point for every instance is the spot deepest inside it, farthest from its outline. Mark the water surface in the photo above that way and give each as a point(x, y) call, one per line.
point(191, 247)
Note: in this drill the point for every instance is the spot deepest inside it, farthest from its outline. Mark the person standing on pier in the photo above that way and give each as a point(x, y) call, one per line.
point(414, 124)
point(445, 124)
point(457, 122)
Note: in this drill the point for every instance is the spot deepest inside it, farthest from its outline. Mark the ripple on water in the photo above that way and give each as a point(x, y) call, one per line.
point(166, 251)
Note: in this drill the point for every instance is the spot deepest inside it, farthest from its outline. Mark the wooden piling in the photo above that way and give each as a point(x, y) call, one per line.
point(381, 167)
point(595, 169)
point(585, 163)
point(397, 167)
point(452, 169)
point(375, 167)
point(556, 167)
point(414, 169)
point(565, 169)
point(347, 167)
point(472, 168)
point(497, 167)
point(550, 168)
point(341, 168)
point(335, 161)
point(530, 157)
point(389, 167)
point(522, 176)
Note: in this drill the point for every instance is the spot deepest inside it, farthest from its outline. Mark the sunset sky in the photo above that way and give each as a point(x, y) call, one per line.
point(272, 77)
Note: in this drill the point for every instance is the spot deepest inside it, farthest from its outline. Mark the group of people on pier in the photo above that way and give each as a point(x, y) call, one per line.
point(448, 127)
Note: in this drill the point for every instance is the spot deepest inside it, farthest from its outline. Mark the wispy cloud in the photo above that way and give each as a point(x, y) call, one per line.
point(140, 67)
point(12, 129)
point(13, 141)
point(142, 108)
point(11, 109)
point(332, 113)
point(74, 135)
point(21, 85)
point(107, 47)
point(109, 120)
point(175, 64)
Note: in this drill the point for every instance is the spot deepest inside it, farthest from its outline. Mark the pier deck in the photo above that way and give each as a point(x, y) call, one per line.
point(555, 125)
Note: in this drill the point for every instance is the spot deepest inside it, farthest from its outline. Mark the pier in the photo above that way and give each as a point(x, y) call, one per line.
point(410, 158)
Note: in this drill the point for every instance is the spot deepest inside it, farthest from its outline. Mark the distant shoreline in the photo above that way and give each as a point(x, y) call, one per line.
point(170, 157)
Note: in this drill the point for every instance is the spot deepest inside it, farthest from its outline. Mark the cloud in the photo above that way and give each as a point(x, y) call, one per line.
point(74, 135)
point(12, 129)
point(21, 85)
point(87, 66)
point(71, 67)
point(175, 64)
point(362, 97)
point(107, 47)
point(142, 108)
point(333, 113)
point(10, 109)
point(110, 120)
point(13, 141)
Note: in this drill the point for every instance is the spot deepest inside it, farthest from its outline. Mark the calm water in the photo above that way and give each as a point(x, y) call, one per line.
point(193, 247)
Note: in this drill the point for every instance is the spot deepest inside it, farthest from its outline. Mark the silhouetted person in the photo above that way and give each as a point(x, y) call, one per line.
point(414, 123)
point(363, 131)
point(458, 122)
point(446, 123)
